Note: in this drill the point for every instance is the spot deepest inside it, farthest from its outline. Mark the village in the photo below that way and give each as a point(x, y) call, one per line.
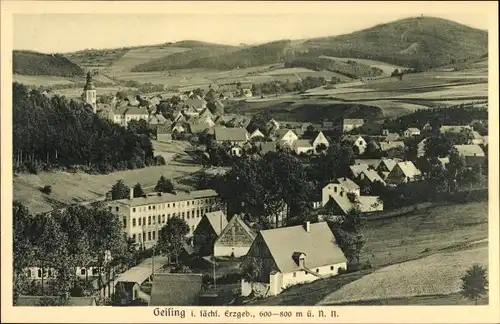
point(219, 255)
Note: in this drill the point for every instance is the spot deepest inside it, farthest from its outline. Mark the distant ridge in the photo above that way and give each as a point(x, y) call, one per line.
point(34, 63)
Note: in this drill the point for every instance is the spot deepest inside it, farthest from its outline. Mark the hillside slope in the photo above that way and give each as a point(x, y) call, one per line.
point(421, 42)
point(33, 63)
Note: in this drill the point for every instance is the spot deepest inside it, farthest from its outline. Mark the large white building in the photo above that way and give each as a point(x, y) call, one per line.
point(143, 217)
point(124, 115)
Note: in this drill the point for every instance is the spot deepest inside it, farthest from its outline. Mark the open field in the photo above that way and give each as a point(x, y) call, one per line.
point(450, 299)
point(433, 275)
point(448, 232)
point(77, 92)
point(77, 187)
point(41, 80)
point(138, 56)
point(387, 68)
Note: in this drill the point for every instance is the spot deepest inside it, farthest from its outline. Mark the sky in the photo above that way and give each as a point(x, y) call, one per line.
point(249, 23)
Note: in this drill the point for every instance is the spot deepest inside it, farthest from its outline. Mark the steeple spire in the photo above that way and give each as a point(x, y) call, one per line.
point(89, 85)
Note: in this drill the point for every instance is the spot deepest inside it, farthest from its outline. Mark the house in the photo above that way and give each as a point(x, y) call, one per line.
point(236, 149)
point(198, 104)
point(257, 133)
point(206, 113)
point(190, 112)
point(427, 127)
point(235, 240)
point(320, 140)
point(342, 204)
point(350, 124)
point(357, 169)
point(272, 126)
point(207, 231)
point(357, 141)
point(196, 128)
point(178, 127)
point(291, 255)
point(403, 172)
point(387, 146)
point(286, 135)
point(391, 137)
point(124, 115)
point(302, 146)
point(473, 154)
point(477, 139)
point(179, 117)
point(340, 186)
point(232, 135)
point(412, 131)
point(63, 300)
point(156, 119)
point(421, 148)
point(267, 147)
point(176, 289)
point(133, 279)
point(372, 176)
point(164, 132)
point(386, 165)
point(374, 163)
point(454, 128)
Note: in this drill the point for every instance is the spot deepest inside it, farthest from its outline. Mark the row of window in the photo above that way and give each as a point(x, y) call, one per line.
point(190, 214)
point(179, 204)
point(37, 274)
point(149, 236)
point(317, 271)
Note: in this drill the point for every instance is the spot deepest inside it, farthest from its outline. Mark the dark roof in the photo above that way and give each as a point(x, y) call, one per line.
point(230, 134)
point(176, 289)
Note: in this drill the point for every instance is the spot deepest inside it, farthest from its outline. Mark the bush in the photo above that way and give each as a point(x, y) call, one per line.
point(47, 189)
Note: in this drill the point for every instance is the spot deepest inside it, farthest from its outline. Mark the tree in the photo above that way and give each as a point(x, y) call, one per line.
point(138, 192)
point(321, 148)
point(474, 283)
point(120, 191)
point(172, 237)
point(120, 295)
point(164, 185)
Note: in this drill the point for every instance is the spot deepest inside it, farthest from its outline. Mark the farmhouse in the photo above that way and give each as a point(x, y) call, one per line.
point(156, 119)
point(123, 115)
point(179, 289)
point(178, 127)
point(412, 131)
point(207, 231)
point(143, 217)
point(403, 172)
point(236, 149)
point(339, 205)
point(290, 255)
point(357, 169)
point(232, 135)
point(350, 124)
point(473, 154)
point(478, 139)
point(272, 125)
point(196, 128)
point(235, 240)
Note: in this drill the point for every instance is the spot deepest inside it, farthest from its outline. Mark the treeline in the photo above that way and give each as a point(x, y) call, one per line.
point(462, 114)
point(61, 241)
point(351, 69)
point(55, 132)
point(277, 86)
point(33, 63)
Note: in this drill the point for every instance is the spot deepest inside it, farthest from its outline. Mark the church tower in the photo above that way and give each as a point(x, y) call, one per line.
point(89, 93)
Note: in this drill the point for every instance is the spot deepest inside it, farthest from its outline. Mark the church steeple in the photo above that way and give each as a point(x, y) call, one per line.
point(89, 93)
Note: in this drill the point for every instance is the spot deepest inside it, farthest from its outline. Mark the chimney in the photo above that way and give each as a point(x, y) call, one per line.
point(131, 195)
point(308, 226)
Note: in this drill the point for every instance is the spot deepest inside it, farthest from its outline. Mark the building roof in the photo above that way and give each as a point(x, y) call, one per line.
point(385, 146)
point(354, 122)
point(24, 300)
point(365, 203)
point(373, 176)
point(217, 220)
point(267, 147)
point(414, 130)
point(257, 132)
point(373, 162)
point(391, 137)
point(165, 128)
point(131, 110)
point(89, 85)
point(302, 143)
point(409, 169)
point(230, 134)
point(389, 163)
point(142, 271)
point(198, 127)
point(282, 132)
point(176, 289)
point(167, 197)
point(196, 103)
point(239, 220)
point(469, 150)
point(358, 169)
point(454, 128)
point(318, 245)
point(347, 183)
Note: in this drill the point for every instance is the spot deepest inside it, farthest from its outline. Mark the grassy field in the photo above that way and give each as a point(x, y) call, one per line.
point(387, 68)
point(77, 92)
point(433, 275)
point(76, 187)
point(429, 300)
point(138, 56)
point(41, 80)
point(440, 239)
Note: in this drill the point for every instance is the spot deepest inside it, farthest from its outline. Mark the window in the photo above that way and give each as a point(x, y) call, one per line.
point(173, 204)
point(133, 222)
point(124, 222)
point(133, 237)
point(28, 273)
point(332, 268)
point(144, 221)
point(149, 236)
point(183, 214)
point(140, 221)
point(117, 208)
point(154, 207)
point(39, 274)
point(188, 214)
point(154, 220)
point(154, 235)
point(317, 270)
point(133, 210)
point(335, 189)
point(149, 207)
point(149, 220)
point(198, 213)
point(163, 218)
point(139, 236)
point(82, 271)
point(168, 216)
point(95, 271)
point(294, 274)
point(188, 203)
point(168, 205)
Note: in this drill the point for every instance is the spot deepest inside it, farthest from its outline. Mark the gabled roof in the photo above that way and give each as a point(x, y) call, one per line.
point(352, 138)
point(413, 130)
point(389, 163)
point(230, 134)
point(198, 127)
point(385, 146)
point(373, 162)
point(206, 113)
point(239, 220)
point(391, 137)
point(142, 271)
point(282, 132)
point(469, 150)
point(176, 289)
point(318, 245)
point(347, 183)
point(358, 169)
point(454, 128)
point(257, 132)
point(359, 122)
point(409, 169)
point(373, 176)
point(365, 203)
point(217, 220)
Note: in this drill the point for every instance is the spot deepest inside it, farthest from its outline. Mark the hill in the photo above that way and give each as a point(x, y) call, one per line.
point(33, 63)
point(194, 51)
point(419, 43)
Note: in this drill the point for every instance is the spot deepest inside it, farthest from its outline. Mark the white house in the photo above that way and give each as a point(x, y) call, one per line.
point(357, 141)
point(288, 256)
point(123, 115)
point(412, 131)
point(287, 136)
point(338, 187)
point(320, 139)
